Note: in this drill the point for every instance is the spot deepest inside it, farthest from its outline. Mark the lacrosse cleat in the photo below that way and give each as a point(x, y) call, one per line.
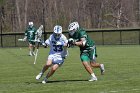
point(102, 69)
point(93, 79)
point(45, 81)
point(39, 76)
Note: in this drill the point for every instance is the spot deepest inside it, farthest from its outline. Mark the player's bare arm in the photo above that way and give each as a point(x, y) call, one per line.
point(81, 42)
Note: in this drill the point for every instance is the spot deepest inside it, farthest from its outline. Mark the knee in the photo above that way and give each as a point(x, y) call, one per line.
point(53, 69)
point(93, 63)
point(86, 65)
point(47, 64)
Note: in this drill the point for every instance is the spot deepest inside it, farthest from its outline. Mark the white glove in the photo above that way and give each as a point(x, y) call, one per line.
point(43, 44)
point(71, 42)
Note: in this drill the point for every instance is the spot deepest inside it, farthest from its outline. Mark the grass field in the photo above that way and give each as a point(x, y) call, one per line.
point(122, 63)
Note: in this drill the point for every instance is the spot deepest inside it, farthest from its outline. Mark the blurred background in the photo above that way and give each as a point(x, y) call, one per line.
point(15, 14)
point(91, 14)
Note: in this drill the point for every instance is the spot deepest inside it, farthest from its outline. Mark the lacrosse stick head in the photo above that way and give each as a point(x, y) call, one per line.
point(57, 32)
point(41, 27)
point(39, 31)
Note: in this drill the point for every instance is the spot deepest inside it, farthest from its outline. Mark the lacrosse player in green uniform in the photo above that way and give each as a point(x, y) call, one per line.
point(30, 35)
point(79, 37)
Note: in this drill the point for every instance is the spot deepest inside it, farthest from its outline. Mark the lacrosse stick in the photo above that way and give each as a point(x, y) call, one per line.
point(38, 38)
point(20, 40)
point(24, 39)
point(36, 53)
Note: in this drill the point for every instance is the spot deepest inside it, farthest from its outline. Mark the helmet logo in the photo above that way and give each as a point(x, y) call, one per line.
point(57, 32)
point(73, 28)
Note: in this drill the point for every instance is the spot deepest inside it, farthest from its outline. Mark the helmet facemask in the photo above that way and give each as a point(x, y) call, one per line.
point(31, 24)
point(57, 35)
point(71, 32)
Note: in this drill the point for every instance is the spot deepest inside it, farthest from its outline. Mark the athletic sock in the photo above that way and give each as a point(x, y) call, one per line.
point(41, 72)
point(93, 75)
point(30, 52)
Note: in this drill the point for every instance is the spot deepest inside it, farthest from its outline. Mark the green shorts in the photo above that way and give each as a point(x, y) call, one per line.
point(88, 56)
point(31, 42)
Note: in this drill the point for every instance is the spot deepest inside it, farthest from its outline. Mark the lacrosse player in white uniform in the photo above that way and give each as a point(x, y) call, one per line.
point(58, 51)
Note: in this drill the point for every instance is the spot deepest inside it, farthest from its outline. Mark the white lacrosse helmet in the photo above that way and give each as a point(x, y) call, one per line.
point(31, 24)
point(57, 31)
point(73, 27)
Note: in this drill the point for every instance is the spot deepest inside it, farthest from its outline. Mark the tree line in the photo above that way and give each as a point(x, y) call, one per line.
point(91, 14)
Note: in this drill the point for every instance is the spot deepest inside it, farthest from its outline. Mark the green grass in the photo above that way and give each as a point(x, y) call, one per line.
point(17, 72)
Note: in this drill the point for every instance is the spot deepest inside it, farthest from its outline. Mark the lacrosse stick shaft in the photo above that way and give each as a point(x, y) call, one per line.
point(21, 40)
point(36, 56)
point(36, 53)
point(39, 33)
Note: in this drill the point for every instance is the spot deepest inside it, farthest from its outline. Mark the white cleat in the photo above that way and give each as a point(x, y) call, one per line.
point(102, 69)
point(39, 76)
point(44, 81)
point(93, 79)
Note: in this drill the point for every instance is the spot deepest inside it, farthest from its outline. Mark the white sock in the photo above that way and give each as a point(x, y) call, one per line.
point(41, 72)
point(30, 52)
point(93, 75)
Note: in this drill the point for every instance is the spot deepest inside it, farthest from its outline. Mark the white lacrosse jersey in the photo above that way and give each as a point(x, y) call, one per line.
point(55, 48)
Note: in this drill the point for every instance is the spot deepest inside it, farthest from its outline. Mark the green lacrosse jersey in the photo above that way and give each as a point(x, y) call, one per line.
point(81, 33)
point(30, 33)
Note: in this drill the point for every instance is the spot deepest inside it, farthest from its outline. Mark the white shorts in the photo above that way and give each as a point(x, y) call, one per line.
point(56, 59)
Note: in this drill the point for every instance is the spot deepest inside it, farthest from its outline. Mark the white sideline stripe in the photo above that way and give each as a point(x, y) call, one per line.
point(124, 90)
